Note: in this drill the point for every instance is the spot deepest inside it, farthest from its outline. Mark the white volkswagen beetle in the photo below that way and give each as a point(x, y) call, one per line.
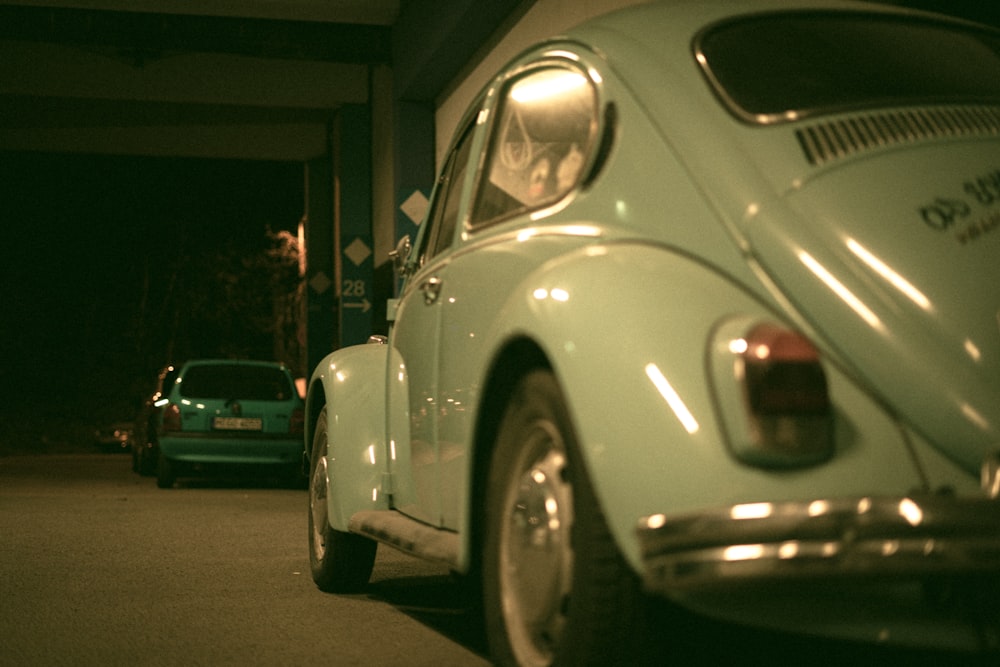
point(705, 310)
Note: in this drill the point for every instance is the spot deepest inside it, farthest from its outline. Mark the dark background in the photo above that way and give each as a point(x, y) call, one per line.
point(107, 260)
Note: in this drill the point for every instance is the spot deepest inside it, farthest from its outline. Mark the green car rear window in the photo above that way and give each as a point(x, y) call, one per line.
point(774, 67)
point(256, 383)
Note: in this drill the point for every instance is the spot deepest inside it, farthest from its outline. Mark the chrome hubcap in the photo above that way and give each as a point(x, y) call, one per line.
point(536, 556)
point(317, 507)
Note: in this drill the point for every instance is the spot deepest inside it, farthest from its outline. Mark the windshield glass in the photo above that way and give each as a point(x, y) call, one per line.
point(784, 66)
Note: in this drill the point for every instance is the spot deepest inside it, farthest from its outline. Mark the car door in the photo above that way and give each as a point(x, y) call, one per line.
point(414, 454)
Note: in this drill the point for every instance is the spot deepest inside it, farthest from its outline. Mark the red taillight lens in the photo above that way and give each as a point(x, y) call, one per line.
point(783, 373)
point(296, 424)
point(171, 417)
point(772, 393)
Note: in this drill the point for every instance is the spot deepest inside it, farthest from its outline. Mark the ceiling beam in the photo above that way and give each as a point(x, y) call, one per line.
point(154, 34)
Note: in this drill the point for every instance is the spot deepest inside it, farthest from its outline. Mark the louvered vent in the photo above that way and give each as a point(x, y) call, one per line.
point(825, 142)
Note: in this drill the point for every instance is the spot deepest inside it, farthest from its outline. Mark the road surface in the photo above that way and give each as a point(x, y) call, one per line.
point(99, 567)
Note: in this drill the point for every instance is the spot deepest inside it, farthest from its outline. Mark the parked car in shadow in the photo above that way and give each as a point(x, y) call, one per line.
point(114, 437)
point(223, 413)
point(144, 442)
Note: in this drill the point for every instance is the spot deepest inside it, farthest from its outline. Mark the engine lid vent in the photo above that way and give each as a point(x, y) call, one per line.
point(829, 141)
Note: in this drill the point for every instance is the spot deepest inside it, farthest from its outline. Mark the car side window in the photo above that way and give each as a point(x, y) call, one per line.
point(443, 215)
point(545, 129)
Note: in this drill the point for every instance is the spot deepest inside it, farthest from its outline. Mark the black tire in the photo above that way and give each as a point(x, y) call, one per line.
point(340, 562)
point(166, 472)
point(555, 587)
point(146, 464)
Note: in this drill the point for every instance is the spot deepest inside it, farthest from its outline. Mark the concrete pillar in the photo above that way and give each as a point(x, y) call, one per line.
point(340, 296)
point(354, 258)
point(414, 168)
point(322, 335)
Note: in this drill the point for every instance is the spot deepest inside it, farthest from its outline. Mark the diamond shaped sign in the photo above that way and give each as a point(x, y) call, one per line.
point(320, 283)
point(358, 251)
point(415, 207)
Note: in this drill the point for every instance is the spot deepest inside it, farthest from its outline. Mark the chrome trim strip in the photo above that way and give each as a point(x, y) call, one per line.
point(854, 537)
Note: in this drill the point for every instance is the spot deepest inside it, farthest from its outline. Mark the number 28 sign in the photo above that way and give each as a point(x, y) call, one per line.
point(355, 302)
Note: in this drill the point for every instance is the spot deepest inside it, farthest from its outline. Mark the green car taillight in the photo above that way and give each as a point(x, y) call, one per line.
point(171, 417)
point(296, 424)
point(772, 395)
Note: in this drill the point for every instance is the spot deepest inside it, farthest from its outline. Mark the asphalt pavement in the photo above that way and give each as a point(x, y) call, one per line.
point(100, 567)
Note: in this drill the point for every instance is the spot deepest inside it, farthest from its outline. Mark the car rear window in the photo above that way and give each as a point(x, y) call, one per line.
point(257, 383)
point(774, 67)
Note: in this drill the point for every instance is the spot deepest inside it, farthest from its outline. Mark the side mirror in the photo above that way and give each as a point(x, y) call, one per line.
point(400, 256)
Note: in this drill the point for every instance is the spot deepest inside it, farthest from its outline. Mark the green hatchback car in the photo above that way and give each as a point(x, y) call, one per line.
point(222, 412)
point(704, 312)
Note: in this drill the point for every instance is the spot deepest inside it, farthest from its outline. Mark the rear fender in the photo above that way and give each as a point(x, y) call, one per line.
point(627, 328)
point(350, 384)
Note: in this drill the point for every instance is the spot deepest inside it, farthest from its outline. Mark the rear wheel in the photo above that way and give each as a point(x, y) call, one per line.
point(146, 463)
point(340, 562)
point(166, 472)
point(555, 588)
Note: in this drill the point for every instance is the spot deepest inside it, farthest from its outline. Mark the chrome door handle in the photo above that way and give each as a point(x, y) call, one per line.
point(431, 289)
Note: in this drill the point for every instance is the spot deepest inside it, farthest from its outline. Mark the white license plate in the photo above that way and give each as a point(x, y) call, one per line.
point(237, 423)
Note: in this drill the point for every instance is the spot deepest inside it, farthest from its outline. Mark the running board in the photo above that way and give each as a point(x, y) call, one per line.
point(408, 535)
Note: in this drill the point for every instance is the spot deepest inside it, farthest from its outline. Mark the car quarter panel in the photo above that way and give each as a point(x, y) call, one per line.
point(351, 384)
point(646, 420)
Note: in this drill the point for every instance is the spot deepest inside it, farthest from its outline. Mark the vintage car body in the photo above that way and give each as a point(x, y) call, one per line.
point(853, 238)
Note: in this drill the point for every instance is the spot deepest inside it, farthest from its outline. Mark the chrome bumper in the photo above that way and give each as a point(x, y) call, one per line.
point(919, 536)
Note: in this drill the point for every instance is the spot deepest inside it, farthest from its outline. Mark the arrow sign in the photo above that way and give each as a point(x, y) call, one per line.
point(364, 305)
